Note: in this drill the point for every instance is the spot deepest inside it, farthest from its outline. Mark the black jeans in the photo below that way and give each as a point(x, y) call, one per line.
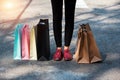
point(57, 9)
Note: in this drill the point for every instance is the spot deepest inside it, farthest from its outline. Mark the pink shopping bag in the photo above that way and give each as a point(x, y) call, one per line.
point(26, 42)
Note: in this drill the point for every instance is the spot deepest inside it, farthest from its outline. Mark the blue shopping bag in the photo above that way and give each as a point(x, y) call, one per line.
point(17, 42)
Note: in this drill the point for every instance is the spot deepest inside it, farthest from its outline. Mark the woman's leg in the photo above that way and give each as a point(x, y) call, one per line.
point(69, 26)
point(57, 27)
point(57, 21)
point(69, 20)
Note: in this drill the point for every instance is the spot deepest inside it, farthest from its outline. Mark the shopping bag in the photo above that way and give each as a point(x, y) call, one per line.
point(86, 48)
point(25, 42)
point(17, 42)
point(33, 49)
point(42, 39)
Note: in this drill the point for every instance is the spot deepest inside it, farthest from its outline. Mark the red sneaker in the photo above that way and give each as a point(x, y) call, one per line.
point(67, 55)
point(58, 55)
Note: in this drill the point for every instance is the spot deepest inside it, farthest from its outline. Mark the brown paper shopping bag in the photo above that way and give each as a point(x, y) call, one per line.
point(86, 48)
